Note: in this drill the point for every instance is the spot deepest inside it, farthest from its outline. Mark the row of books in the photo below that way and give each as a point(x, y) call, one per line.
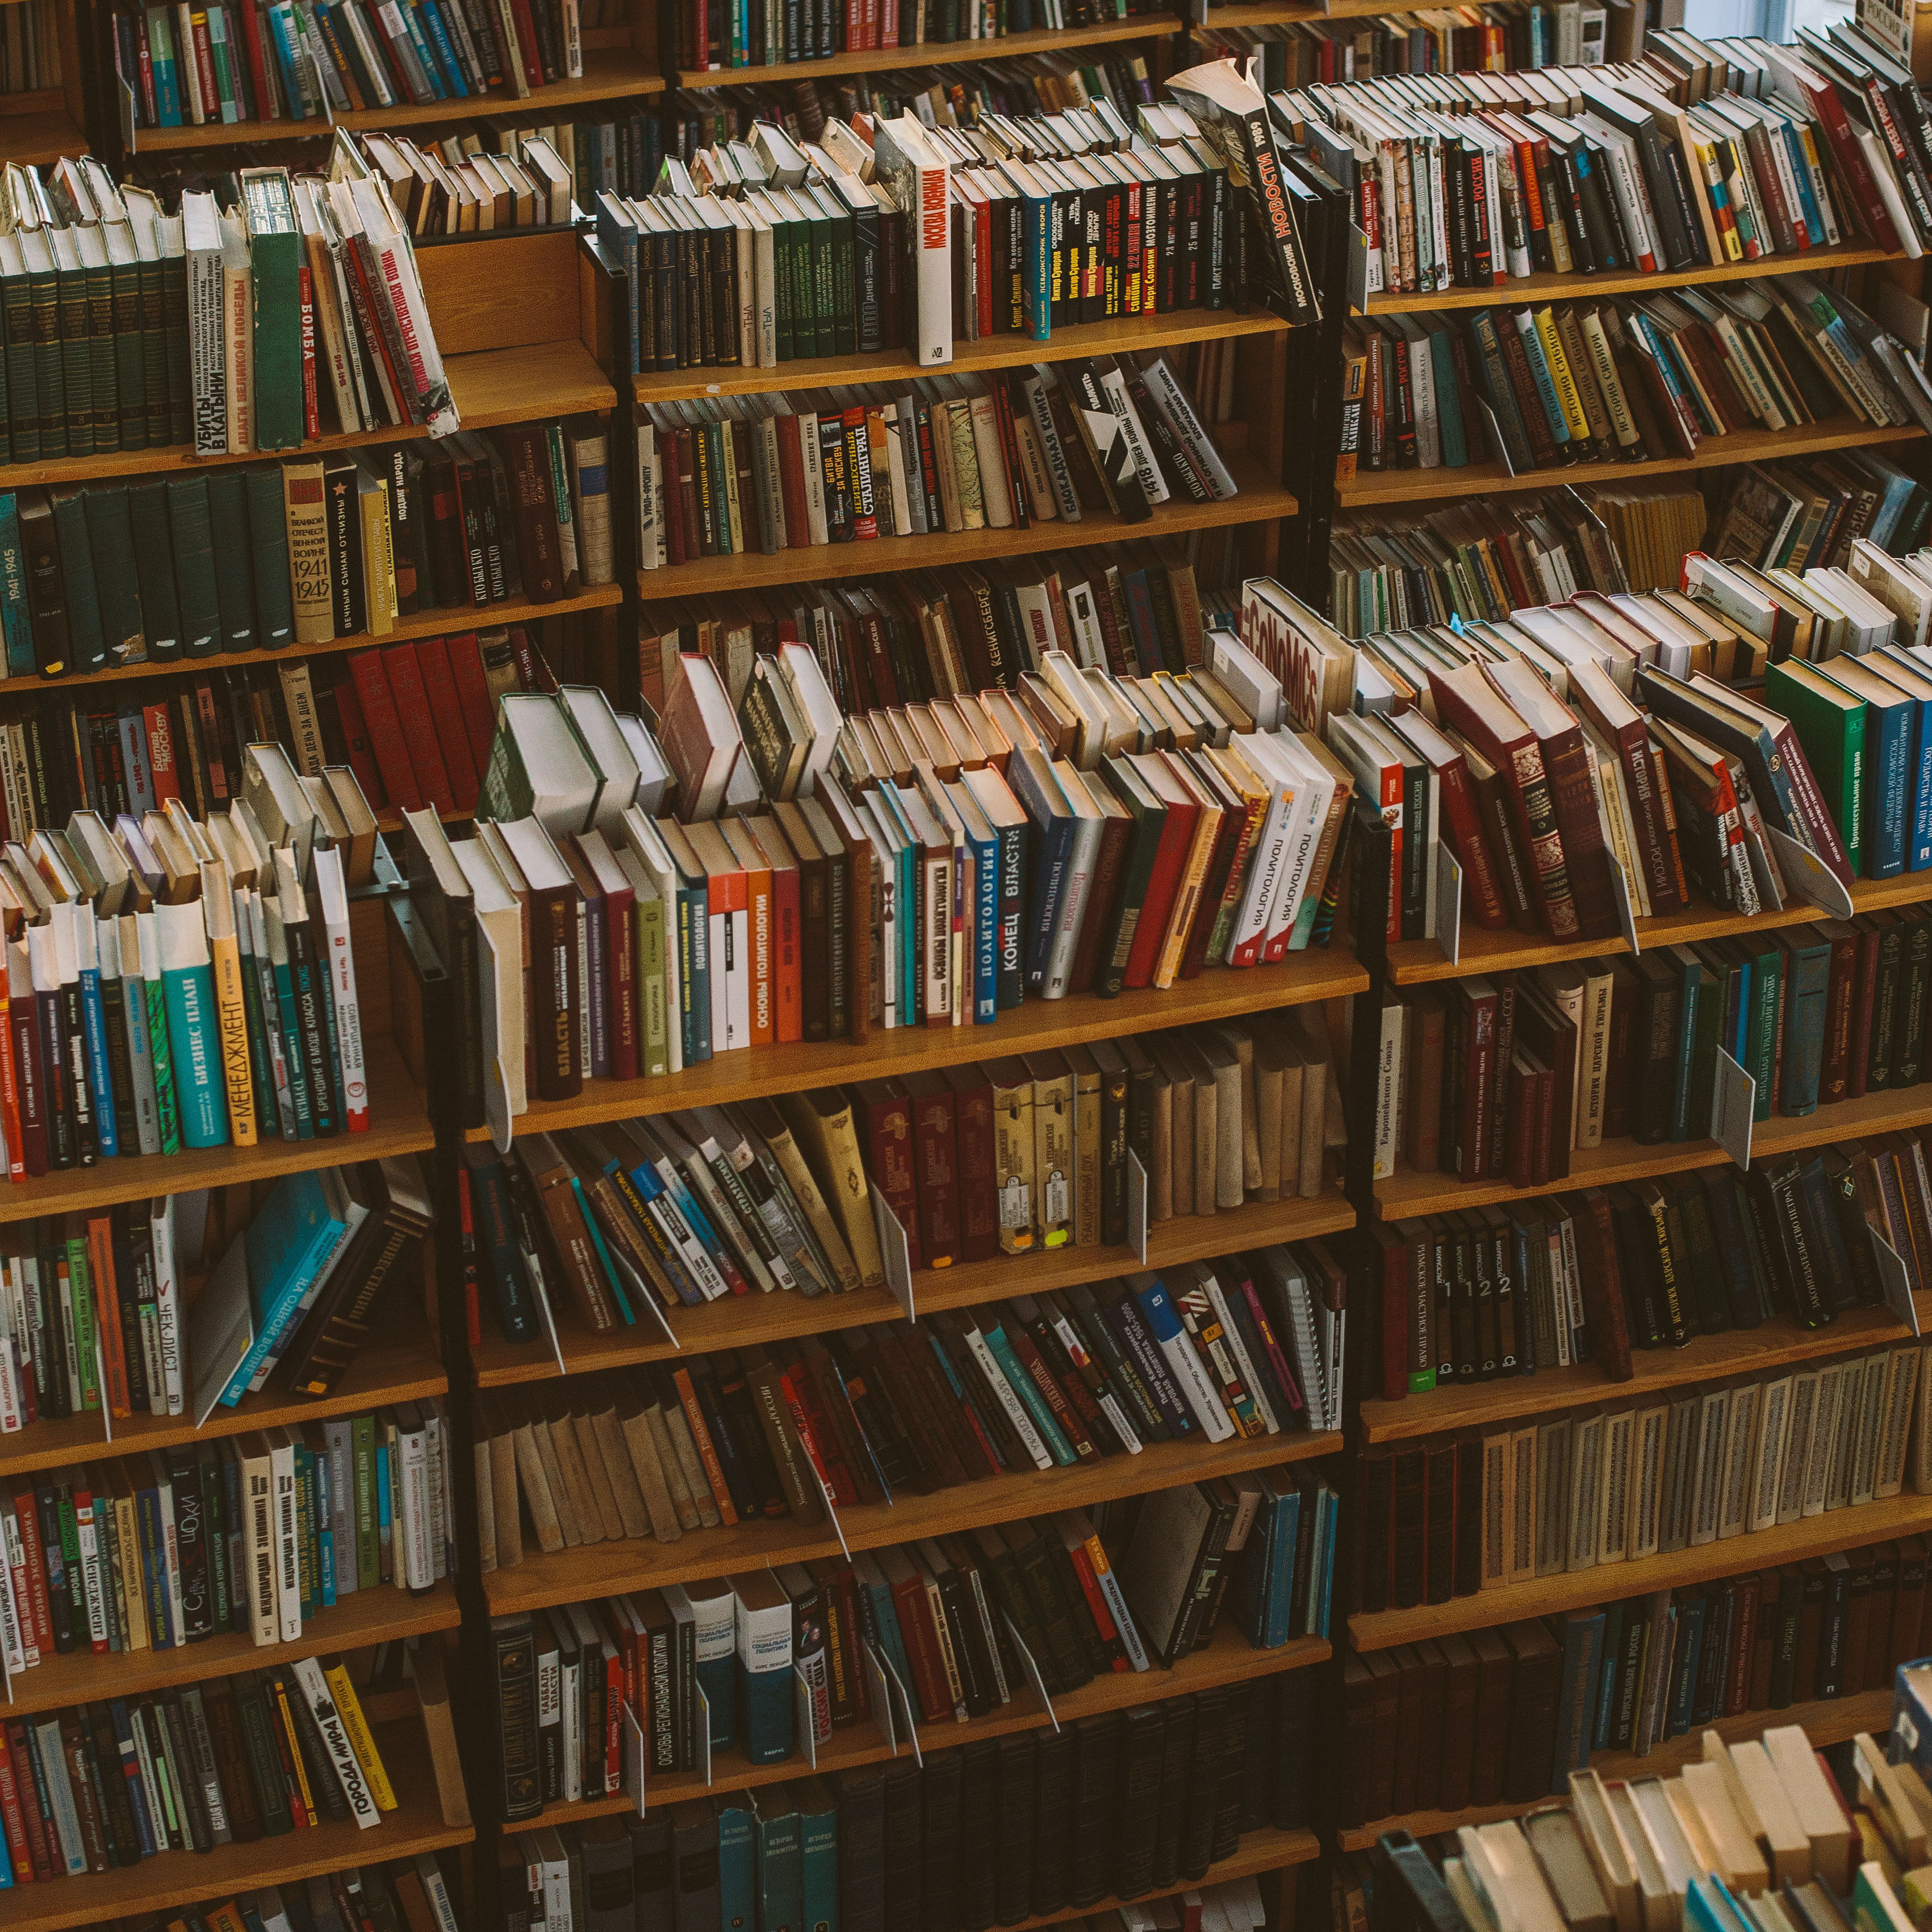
point(1637, 166)
point(408, 1895)
point(1617, 1483)
point(256, 1536)
point(252, 60)
point(30, 57)
point(98, 285)
point(1584, 383)
point(941, 1631)
point(1554, 1283)
point(1505, 1076)
point(100, 1786)
point(865, 1848)
point(477, 192)
point(1550, 1865)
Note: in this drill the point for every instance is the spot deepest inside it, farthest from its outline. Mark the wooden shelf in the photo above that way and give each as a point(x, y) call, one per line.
point(1413, 962)
point(1264, 1850)
point(401, 1364)
point(1229, 1659)
point(492, 386)
point(1257, 501)
point(597, 1569)
point(1424, 487)
point(933, 53)
point(1289, 13)
point(1322, 973)
point(447, 622)
point(1829, 1720)
point(1541, 288)
point(1406, 1193)
point(609, 73)
point(1546, 1596)
point(398, 1124)
point(364, 1617)
point(158, 1884)
point(992, 352)
point(1739, 1351)
point(44, 135)
point(737, 1321)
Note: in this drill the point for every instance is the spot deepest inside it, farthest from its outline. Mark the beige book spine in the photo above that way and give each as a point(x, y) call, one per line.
point(486, 1507)
point(1232, 1129)
point(833, 1146)
point(641, 1439)
point(563, 1500)
point(535, 1484)
point(799, 1176)
point(676, 1482)
point(1086, 1153)
point(690, 1468)
point(576, 1479)
point(597, 1480)
point(231, 1014)
point(624, 1488)
point(509, 1540)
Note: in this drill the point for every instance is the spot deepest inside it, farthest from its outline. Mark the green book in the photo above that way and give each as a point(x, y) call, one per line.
point(193, 540)
point(16, 323)
point(167, 1102)
point(16, 625)
point(173, 323)
point(1767, 973)
point(1830, 722)
point(86, 643)
point(368, 1531)
point(49, 371)
point(268, 549)
point(839, 235)
point(75, 354)
point(1714, 997)
point(154, 569)
point(230, 524)
point(265, 1762)
point(103, 364)
point(80, 1287)
point(110, 531)
point(274, 266)
point(130, 341)
point(824, 303)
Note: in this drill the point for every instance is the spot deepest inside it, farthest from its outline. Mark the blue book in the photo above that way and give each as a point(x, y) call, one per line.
point(694, 945)
point(882, 1619)
point(1806, 980)
point(737, 1864)
point(285, 37)
point(1448, 400)
point(385, 1496)
point(1606, 1683)
point(151, 1532)
point(1898, 488)
point(93, 1025)
point(1892, 663)
point(984, 843)
point(420, 41)
point(1539, 369)
point(15, 622)
point(161, 58)
point(818, 1856)
point(296, 1232)
point(1800, 169)
point(780, 1836)
point(1036, 261)
point(1690, 1650)
point(907, 853)
point(1278, 1598)
point(445, 53)
point(618, 232)
point(1582, 1635)
point(130, 1763)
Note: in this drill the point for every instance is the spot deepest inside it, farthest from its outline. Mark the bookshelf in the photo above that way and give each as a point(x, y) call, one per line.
point(42, 124)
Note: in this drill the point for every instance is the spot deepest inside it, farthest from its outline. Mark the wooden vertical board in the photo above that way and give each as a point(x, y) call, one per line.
point(512, 291)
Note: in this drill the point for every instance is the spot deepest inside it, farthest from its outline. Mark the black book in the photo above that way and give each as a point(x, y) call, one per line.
point(1409, 1541)
point(979, 1816)
point(1097, 1748)
point(859, 1798)
point(903, 1890)
point(197, 1596)
point(1013, 1829)
point(1137, 1799)
point(1177, 1766)
point(514, 1650)
point(1202, 1799)
point(941, 1846)
point(1053, 1827)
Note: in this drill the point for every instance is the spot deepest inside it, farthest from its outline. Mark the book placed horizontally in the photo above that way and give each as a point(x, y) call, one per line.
point(302, 553)
point(1590, 1276)
point(1212, 1764)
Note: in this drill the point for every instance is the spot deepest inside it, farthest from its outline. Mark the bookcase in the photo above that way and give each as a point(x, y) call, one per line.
point(45, 123)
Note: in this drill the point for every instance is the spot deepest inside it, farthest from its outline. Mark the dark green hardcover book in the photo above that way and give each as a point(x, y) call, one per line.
point(192, 539)
point(154, 569)
point(274, 263)
point(110, 532)
point(47, 590)
point(1767, 989)
point(87, 649)
point(1808, 969)
point(845, 282)
point(16, 325)
point(49, 376)
point(264, 1760)
point(76, 355)
point(268, 550)
point(103, 378)
point(230, 532)
point(174, 334)
point(126, 335)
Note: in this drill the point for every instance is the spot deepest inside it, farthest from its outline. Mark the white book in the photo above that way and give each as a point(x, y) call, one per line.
point(287, 1561)
point(341, 1754)
point(258, 1539)
point(1772, 1433)
point(1707, 1453)
point(1114, 387)
point(332, 891)
point(1797, 1436)
point(1155, 1305)
point(914, 170)
point(207, 332)
point(415, 1521)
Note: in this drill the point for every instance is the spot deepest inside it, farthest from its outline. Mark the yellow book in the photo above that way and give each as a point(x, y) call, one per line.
point(378, 562)
point(356, 1728)
point(279, 1685)
point(1567, 397)
point(231, 1011)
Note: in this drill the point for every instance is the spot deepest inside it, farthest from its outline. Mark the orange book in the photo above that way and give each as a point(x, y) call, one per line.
point(107, 1313)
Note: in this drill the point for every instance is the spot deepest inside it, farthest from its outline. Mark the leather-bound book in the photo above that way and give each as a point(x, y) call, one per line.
point(1386, 1710)
point(1534, 1697)
point(1145, 1734)
point(1431, 1671)
point(941, 1847)
point(1409, 1571)
point(860, 1798)
point(935, 1167)
point(899, 1852)
point(1403, 1743)
point(1495, 1665)
point(1013, 1826)
point(1455, 1754)
point(1440, 1463)
point(1363, 1749)
point(974, 1169)
point(554, 1182)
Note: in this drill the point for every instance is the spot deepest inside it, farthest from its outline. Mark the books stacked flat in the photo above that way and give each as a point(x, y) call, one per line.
point(944, 455)
point(416, 1890)
point(127, 327)
point(1696, 154)
point(1626, 1481)
point(1207, 1767)
point(305, 552)
point(253, 61)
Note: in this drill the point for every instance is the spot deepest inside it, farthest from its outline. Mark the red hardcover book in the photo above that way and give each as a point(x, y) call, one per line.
point(815, 1432)
point(14, 1818)
point(1519, 1123)
point(356, 739)
point(472, 694)
point(621, 979)
point(384, 729)
point(921, 1637)
point(36, 1851)
point(1834, 1079)
point(884, 1116)
point(1176, 835)
point(791, 484)
point(1604, 1313)
point(1822, 97)
point(1743, 1646)
point(163, 774)
point(445, 707)
point(974, 1164)
point(935, 1166)
point(527, 44)
point(1864, 999)
point(403, 671)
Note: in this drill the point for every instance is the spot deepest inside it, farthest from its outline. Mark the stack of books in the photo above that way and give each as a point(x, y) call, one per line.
point(892, 1834)
point(416, 1891)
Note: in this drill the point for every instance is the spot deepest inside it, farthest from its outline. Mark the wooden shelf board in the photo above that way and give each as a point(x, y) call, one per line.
point(737, 1322)
point(440, 623)
point(1423, 488)
point(493, 385)
point(1257, 501)
point(1540, 288)
point(932, 53)
point(401, 1364)
point(597, 1569)
point(363, 1618)
point(44, 135)
point(1287, 12)
point(1406, 1194)
point(1898, 1516)
point(609, 73)
point(1829, 1720)
point(1229, 1659)
point(158, 1884)
point(398, 1124)
point(1413, 962)
point(992, 352)
point(1749, 1352)
point(1265, 1850)
point(1034, 1028)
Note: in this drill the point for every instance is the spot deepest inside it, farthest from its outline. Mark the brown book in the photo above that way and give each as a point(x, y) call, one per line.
point(935, 1165)
point(231, 1761)
point(814, 1361)
point(1495, 1674)
point(1387, 1718)
point(1534, 1700)
point(1764, 1649)
point(563, 1442)
point(1405, 1742)
point(87, 1798)
point(975, 1165)
point(1908, 1603)
point(550, 1177)
point(932, 1424)
point(439, 1728)
point(1423, 1075)
point(636, 1400)
point(883, 1113)
point(539, 551)
point(1462, 1673)
point(1811, 1626)
point(837, 828)
point(1878, 1666)
point(1174, 1162)
point(772, 1408)
point(563, 1501)
point(1603, 1308)
point(602, 1491)
point(1364, 1749)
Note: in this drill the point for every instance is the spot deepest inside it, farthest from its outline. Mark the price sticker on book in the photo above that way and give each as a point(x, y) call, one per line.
point(636, 1758)
point(1448, 904)
point(804, 1725)
point(1137, 1207)
point(1894, 1284)
point(1033, 1672)
point(1733, 1101)
point(897, 1252)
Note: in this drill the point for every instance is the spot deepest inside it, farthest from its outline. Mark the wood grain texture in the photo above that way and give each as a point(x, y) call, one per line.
point(42, 134)
point(511, 289)
point(597, 1569)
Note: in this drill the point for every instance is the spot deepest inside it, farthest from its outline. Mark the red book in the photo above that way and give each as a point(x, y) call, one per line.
point(935, 1166)
point(620, 991)
point(791, 484)
point(473, 694)
point(1835, 1076)
point(444, 706)
point(1399, 1244)
point(1822, 98)
point(532, 671)
point(403, 671)
point(527, 44)
point(14, 1818)
point(1177, 835)
point(1097, 1601)
point(311, 401)
point(921, 1637)
point(384, 729)
point(1865, 998)
point(1604, 1313)
point(144, 64)
point(787, 958)
point(884, 1116)
point(356, 736)
point(17, 1166)
point(974, 1164)
point(815, 1432)
point(1469, 1070)
point(39, 1858)
point(204, 68)
point(30, 1073)
point(673, 510)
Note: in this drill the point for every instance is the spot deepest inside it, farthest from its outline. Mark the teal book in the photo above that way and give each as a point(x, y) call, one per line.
point(1036, 258)
point(234, 577)
point(1760, 1054)
point(268, 550)
point(1539, 369)
point(194, 1032)
point(275, 256)
point(1042, 1416)
point(154, 569)
point(1807, 973)
point(764, 1668)
point(818, 1856)
point(1448, 399)
point(15, 621)
point(86, 637)
point(1691, 978)
point(885, 1620)
point(737, 1865)
point(1582, 1635)
point(289, 1241)
point(779, 1836)
point(191, 536)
